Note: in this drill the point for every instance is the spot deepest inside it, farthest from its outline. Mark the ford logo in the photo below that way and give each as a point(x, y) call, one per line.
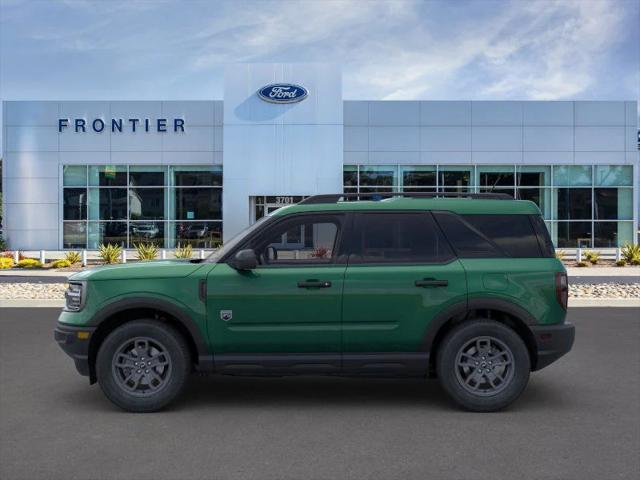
point(283, 93)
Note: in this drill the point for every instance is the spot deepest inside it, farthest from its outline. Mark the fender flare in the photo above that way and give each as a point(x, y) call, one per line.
point(154, 303)
point(461, 309)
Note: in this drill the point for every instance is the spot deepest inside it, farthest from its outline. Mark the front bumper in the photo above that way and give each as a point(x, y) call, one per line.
point(552, 342)
point(75, 343)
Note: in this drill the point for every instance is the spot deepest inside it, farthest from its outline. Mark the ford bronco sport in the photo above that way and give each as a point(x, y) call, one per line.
point(466, 289)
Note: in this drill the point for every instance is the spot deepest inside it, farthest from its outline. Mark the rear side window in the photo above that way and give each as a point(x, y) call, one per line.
point(467, 241)
point(514, 234)
point(397, 238)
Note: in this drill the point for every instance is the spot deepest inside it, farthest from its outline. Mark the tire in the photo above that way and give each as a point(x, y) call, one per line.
point(138, 385)
point(463, 368)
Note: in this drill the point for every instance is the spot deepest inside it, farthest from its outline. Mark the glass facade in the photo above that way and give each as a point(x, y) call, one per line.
point(583, 205)
point(128, 205)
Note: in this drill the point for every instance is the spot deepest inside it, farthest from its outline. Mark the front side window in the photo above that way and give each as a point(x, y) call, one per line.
point(305, 240)
point(397, 238)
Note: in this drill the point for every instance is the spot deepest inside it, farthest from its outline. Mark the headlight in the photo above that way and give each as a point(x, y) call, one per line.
point(74, 297)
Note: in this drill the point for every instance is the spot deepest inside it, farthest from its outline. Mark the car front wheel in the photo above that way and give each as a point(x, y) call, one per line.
point(143, 365)
point(483, 365)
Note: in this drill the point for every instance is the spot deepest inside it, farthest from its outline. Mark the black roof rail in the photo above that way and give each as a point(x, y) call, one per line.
point(336, 197)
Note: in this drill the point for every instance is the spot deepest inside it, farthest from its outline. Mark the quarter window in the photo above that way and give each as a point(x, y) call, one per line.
point(514, 234)
point(397, 238)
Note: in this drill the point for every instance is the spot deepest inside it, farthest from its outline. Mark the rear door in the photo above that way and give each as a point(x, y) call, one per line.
point(401, 274)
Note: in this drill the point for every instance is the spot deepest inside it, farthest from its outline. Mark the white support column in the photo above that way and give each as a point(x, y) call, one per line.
point(42, 256)
point(578, 254)
point(84, 258)
point(124, 256)
point(163, 254)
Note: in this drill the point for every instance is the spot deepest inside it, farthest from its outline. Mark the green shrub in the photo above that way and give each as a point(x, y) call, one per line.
point(582, 264)
point(146, 251)
point(3, 244)
point(110, 253)
point(621, 263)
point(61, 263)
point(73, 257)
point(560, 254)
point(29, 263)
point(6, 262)
point(592, 256)
point(184, 252)
point(631, 253)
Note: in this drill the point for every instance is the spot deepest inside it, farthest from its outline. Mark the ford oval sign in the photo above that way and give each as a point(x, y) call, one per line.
point(283, 93)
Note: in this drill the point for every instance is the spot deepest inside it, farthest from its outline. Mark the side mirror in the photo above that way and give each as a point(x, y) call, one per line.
point(244, 260)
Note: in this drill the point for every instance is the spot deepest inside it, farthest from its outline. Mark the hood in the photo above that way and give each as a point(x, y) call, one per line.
point(139, 270)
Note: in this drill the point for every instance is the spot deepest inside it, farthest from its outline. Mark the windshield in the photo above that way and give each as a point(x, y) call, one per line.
point(230, 244)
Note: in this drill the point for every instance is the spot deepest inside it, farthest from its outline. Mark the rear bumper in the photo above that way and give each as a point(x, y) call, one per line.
point(77, 347)
point(552, 342)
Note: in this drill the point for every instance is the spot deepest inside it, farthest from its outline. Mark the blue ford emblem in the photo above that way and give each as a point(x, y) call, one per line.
point(283, 93)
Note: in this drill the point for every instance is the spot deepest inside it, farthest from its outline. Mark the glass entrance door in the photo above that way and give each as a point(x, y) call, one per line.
point(265, 204)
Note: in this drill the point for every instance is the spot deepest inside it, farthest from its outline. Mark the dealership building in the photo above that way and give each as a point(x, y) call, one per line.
point(80, 173)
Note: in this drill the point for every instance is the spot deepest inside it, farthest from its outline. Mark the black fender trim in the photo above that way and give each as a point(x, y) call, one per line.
point(205, 359)
point(504, 306)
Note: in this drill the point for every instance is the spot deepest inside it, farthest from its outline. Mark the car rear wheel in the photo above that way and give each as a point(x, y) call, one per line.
point(483, 365)
point(143, 365)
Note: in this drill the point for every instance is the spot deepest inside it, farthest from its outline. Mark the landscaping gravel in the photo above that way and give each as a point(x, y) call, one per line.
point(25, 290)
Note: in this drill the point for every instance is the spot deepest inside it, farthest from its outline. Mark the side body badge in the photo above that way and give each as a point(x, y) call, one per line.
point(226, 315)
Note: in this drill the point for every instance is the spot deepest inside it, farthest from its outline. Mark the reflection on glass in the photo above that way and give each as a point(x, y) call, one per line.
point(197, 203)
point(454, 176)
point(107, 233)
point(534, 176)
point(495, 176)
point(107, 204)
point(74, 175)
point(195, 176)
point(146, 176)
point(614, 175)
point(573, 203)
point(574, 234)
point(197, 234)
point(350, 176)
point(75, 203)
point(146, 232)
point(74, 235)
point(418, 178)
point(108, 176)
point(572, 175)
point(146, 203)
point(378, 175)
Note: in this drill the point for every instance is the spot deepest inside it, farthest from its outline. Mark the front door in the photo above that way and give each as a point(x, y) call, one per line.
point(401, 274)
point(286, 312)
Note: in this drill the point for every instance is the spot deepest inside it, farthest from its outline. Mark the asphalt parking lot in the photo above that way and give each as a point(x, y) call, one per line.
point(579, 418)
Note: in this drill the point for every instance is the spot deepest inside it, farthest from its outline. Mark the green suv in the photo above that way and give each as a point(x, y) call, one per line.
point(463, 288)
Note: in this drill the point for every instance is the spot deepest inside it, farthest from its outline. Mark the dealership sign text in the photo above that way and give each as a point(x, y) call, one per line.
point(98, 125)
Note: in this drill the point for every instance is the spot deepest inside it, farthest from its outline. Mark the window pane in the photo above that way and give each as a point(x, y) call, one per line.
point(350, 176)
point(75, 203)
point(146, 176)
point(366, 193)
point(108, 176)
point(614, 203)
point(197, 203)
point(467, 242)
point(418, 176)
point(398, 238)
point(496, 176)
point(539, 196)
point(107, 232)
point(508, 191)
point(574, 234)
point(573, 203)
point(534, 176)
point(146, 203)
point(569, 175)
point(301, 240)
point(196, 176)
point(74, 235)
point(107, 204)
point(454, 176)
point(74, 175)
point(146, 232)
point(378, 175)
point(196, 234)
point(514, 234)
point(614, 175)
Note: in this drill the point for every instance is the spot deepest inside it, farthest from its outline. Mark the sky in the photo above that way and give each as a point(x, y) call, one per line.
point(394, 49)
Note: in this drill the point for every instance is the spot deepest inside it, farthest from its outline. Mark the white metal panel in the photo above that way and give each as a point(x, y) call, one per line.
point(599, 139)
point(138, 141)
point(218, 137)
point(496, 139)
point(631, 113)
point(356, 139)
point(88, 110)
point(133, 158)
point(445, 157)
point(81, 158)
point(600, 113)
point(602, 158)
point(31, 139)
point(356, 112)
point(88, 141)
point(496, 157)
point(31, 190)
point(136, 109)
point(445, 113)
point(546, 138)
point(31, 113)
point(194, 138)
point(355, 158)
point(496, 113)
point(631, 139)
point(547, 158)
point(30, 165)
point(394, 113)
point(394, 158)
point(25, 216)
point(394, 139)
point(447, 139)
point(32, 239)
point(186, 158)
point(548, 113)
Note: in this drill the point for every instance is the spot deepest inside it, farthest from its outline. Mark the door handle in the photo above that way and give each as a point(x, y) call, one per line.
point(314, 284)
point(431, 282)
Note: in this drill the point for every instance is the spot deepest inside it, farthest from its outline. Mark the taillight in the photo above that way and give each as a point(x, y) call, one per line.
point(562, 289)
